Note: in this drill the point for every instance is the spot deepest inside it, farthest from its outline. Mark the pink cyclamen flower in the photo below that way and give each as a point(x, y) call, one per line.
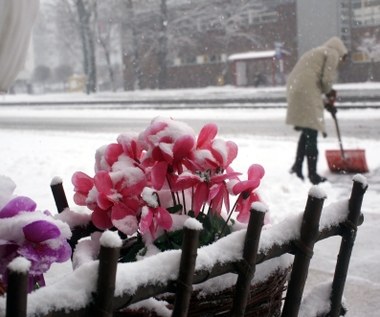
point(207, 188)
point(131, 146)
point(82, 186)
point(117, 199)
point(167, 140)
point(154, 218)
point(245, 190)
point(212, 153)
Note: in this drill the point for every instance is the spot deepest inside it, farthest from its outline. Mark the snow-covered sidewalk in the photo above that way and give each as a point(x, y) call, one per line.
point(32, 159)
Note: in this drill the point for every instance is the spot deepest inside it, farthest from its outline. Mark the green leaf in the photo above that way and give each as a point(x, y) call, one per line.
point(170, 240)
point(129, 254)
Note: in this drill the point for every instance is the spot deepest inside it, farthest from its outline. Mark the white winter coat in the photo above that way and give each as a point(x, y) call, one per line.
point(311, 77)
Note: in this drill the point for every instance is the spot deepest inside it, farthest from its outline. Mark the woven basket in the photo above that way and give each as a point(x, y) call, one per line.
point(265, 299)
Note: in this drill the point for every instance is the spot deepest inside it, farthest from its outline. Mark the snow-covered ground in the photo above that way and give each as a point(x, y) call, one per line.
point(32, 158)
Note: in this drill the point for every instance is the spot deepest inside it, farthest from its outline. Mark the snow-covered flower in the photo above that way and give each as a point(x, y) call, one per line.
point(35, 235)
point(143, 180)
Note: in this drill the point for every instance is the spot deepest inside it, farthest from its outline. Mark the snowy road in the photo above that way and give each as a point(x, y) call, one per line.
point(270, 122)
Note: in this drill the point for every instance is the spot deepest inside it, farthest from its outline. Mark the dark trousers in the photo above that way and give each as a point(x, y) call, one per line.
point(307, 146)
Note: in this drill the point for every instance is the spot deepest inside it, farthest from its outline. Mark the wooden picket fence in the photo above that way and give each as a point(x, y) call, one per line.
point(105, 304)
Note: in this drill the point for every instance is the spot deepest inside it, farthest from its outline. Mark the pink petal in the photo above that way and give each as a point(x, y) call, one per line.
point(112, 153)
point(187, 180)
point(232, 152)
point(80, 199)
point(201, 195)
point(82, 182)
point(154, 128)
point(103, 182)
point(120, 210)
point(222, 177)
point(164, 219)
point(158, 174)
point(206, 135)
point(131, 146)
point(146, 220)
point(182, 146)
point(256, 171)
point(101, 219)
point(126, 222)
point(245, 185)
point(103, 201)
point(166, 152)
point(217, 196)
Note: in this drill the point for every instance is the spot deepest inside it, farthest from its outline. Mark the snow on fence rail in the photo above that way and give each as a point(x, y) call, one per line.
point(104, 286)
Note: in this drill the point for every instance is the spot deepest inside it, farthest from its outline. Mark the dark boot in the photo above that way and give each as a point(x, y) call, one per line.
point(297, 169)
point(315, 179)
point(300, 154)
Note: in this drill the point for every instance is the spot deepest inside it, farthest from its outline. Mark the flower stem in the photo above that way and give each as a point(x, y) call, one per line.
point(171, 191)
point(229, 217)
point(184, 201)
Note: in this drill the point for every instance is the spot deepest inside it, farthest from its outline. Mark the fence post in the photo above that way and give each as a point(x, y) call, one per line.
point(247, 267)
point(59, 194)
point(348, 238)
point(108, 259)
point(186, 270)
point(303, 252)
point(17, 291)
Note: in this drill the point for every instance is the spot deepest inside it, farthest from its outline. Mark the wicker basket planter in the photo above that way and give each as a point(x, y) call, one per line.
point(265, 299)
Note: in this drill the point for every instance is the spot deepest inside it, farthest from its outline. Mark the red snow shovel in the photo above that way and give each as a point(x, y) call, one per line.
point(345, 161)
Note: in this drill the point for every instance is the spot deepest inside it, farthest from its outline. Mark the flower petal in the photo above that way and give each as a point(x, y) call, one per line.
point(146, 220)
point(82, 182)
point(17, 205)
point(101, 219)
point(158, 174)
point(103, 182)
point(182, 146)
point(41, 230)
point(256, 171)
point(206, 135)
point(164, 219)
point(112, 153)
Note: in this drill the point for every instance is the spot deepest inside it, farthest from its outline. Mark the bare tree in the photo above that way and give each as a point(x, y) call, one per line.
point(169, 27)
point(107, 18)
point(86, 12)
point(229, 19)
point(130, 42)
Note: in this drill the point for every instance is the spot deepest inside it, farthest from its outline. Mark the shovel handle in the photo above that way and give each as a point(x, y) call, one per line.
point(338, 133)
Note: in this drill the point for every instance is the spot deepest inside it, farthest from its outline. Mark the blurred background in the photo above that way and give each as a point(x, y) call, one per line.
point(116, 45)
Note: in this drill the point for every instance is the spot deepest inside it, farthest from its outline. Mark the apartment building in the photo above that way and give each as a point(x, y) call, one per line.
point(356, 22)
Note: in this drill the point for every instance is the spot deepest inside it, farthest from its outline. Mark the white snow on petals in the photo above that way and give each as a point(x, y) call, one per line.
point(149, 197)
